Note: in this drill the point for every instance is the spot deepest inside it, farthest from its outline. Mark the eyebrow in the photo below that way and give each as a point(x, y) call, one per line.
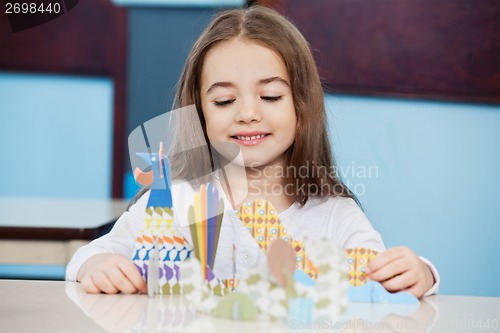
point(227, 84)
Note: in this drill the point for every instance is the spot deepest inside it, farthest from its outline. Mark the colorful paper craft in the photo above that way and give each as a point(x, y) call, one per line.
point(327, 298)
point(290, 284)
point(236, 306)
point(159, 247)
point(154, 268)
point(357, 259)
point(263, 223)
point(374, 292)
point(205, 221)
point(281, 261)
point(362, 290)
point(158, 239)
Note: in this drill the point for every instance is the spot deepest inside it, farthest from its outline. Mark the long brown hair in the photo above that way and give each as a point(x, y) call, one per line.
point(311, 145)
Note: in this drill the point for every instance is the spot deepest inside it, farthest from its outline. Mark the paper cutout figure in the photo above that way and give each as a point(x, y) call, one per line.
point(302, 278)
point(205, 221)
point(161, 195)
point(281, 261)
point(367, 316)
point(329, 294)
point(326, 299)
point(194, 286)
point(300, 312)
point(263, 223)
point(267, 295)
point(289, 285)
point(374, 292)
point(236, 306)
point(361, 290)
point(153, 269)
point(159, 244)
point(358, 258)
point(205, 218)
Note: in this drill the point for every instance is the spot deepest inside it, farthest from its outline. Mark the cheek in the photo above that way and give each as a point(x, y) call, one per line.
point(211, 131)
point(213, 127)
point(293, 127)
point(292, 121)
point(209, 122)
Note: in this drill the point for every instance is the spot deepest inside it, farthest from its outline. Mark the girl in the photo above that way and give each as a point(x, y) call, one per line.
point(254, 83)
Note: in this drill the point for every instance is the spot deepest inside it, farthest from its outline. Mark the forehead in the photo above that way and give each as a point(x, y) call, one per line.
point(239, 59)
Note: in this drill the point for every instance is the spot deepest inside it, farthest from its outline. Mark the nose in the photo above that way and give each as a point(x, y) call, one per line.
point(248, 112)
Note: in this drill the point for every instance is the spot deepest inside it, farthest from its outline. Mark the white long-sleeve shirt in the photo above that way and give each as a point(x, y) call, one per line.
point(336, 218)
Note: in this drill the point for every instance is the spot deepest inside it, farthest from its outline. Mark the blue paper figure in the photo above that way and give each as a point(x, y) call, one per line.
point(374, 292)
point(160, 196)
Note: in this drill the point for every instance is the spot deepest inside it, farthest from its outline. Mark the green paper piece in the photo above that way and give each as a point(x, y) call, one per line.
point(323, 269)
point(194, 235)
point(253, 279)
point(166, 289)
point(218, 290)
point(220, 215)
point(149, 211)
point(290, 290)
point(323, 303)
point(158, 211)
point(188, 288)
point(176, 289)
point(236, 306)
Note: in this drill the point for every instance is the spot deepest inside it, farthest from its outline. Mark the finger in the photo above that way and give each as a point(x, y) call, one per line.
point(133, 275)
point(417, 290)
point(89, 286)
point(120, 281)
point(400, 282)
point(103, 283)
point(390, 270)
point(384, 258)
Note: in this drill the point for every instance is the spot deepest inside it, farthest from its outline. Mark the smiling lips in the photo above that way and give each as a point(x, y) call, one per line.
point(250, 138)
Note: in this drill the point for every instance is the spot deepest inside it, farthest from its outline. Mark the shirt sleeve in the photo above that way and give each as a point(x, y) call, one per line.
point(435, 288)
point(119, 240)
point(353, 229)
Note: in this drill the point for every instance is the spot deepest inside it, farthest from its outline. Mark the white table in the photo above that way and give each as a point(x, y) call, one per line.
point(41, 234)
point(56, 306)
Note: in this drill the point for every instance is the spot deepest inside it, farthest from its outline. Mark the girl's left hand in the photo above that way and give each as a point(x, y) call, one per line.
point(400, 269)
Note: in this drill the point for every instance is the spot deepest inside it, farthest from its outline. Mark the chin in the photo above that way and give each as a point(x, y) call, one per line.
point(258, 162)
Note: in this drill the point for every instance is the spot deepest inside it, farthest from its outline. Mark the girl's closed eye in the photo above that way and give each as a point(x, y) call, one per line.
point(224, 102)
point(271, 98)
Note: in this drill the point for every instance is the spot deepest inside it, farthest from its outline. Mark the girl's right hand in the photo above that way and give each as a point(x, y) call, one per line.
point(111, 274)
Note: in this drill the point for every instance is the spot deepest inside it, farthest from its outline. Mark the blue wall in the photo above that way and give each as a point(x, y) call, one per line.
point(55, 135)
point(433, 180)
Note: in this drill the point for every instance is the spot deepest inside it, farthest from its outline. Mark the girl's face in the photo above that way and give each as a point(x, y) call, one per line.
point(247, 100)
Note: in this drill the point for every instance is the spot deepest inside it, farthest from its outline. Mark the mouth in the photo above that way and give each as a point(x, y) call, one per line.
point(250, 139)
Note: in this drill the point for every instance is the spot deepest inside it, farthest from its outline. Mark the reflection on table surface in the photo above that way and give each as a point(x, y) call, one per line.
point(167, 313)
point(42, 306)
